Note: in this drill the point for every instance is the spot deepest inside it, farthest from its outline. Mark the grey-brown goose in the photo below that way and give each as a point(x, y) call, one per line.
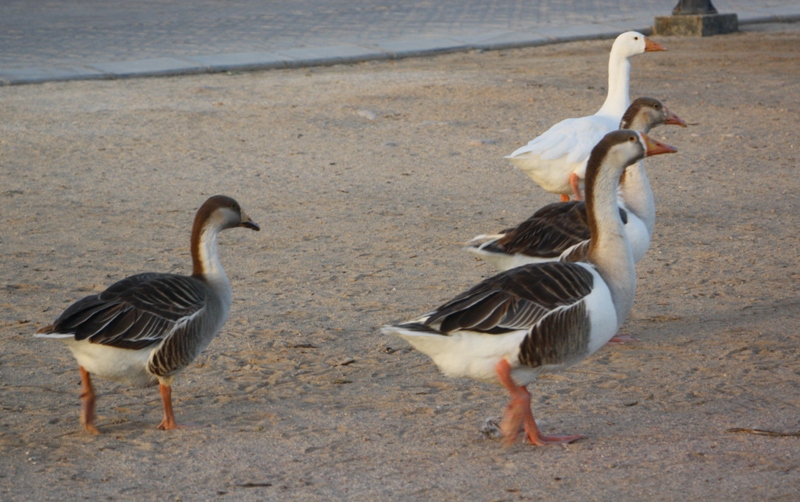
point(561, 230)
point(542, 317)
point(148, 327)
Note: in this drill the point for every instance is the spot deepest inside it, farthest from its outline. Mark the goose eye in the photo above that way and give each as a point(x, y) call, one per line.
point(636, 38)
point(632, 139)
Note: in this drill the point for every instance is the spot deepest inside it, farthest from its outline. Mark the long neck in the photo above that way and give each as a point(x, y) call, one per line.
point(619, 74)
point(609, 249)
point(637, 196)
point(205, 259)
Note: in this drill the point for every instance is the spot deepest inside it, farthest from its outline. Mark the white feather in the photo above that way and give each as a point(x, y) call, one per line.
point(121, 365)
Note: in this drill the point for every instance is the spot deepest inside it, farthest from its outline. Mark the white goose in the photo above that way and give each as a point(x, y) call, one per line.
point(544, 317)
point(556, 160)
point(560, 230)
point(148, 327)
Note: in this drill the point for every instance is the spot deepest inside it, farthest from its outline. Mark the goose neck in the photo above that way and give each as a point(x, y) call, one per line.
point(609, 249)
point(205, 256)
point(618, 99)
point(637, 195)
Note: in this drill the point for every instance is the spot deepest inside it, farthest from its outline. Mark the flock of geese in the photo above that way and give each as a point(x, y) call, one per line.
point(567, 279)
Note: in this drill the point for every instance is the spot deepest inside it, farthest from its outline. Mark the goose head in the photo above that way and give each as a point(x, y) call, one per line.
point(646, 113)
point(221, 212)
point(632, 43)
point(621, 148)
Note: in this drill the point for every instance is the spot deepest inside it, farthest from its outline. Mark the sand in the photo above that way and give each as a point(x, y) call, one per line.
point(366, 180)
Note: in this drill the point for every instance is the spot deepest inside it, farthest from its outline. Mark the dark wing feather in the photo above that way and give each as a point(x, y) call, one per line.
point(516, 299)
point(577, 253)
point(558, 209)
point(549, 232)
point(135, 312)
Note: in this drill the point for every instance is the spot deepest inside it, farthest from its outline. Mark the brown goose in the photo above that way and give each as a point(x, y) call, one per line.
point(148, 327)
point(561, 229)
point(542, 317)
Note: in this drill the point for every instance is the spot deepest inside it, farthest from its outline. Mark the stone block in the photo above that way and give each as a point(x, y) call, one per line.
point(696, 25)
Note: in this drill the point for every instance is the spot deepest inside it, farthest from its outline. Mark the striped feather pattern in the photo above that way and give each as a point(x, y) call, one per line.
point(514, 300)
point(576, 253)
point(180, 348)
point(560, 338)
point(550, 231)
point(134, 313)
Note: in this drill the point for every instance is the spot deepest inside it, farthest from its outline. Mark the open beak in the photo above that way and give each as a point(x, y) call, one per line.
point(650, 46)
point(248, 223)
point(673, 119)
point(656, 147)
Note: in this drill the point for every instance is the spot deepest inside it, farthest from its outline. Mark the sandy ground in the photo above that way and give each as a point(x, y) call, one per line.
point(366, 179)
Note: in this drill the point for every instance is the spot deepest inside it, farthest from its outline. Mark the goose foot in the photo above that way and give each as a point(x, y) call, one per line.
point(574, 182)
point(519, 416)
point(564, 197)
point(88, 399)
point(621, 339)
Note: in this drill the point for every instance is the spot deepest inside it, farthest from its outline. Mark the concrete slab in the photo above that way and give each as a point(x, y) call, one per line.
point(149, 67)
point(241, 61)
point(335, 54)
point(421, 46)
point(38, 74)
point(210, 40)
point(783, 12)
point(642, 24)
point(579, 32)
point(504, 40)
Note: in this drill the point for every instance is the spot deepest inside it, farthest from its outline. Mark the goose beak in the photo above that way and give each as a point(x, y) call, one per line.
point(248, 223)
point(656, 147)
point(673, 119)
point(650, 46)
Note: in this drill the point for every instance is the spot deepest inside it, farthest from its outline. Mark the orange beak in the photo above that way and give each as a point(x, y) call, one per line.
point(673, 119)
point(656, 147)
point(650, 46)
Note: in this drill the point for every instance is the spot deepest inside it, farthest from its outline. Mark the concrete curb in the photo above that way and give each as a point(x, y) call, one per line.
point(348, 54)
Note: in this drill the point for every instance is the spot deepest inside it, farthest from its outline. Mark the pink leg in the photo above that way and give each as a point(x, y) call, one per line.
point(574, 181)
point(88, 399)
point(518, 413)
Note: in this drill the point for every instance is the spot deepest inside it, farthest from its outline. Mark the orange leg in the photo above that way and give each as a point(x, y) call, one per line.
point(620, 339)
point(169, 417)
point(88, 399)
point(518, 413)
point(574, 182)
point(564, 197)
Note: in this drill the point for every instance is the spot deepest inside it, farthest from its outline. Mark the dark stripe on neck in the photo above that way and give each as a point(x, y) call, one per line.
point(198, 228)
point(630, 115)
point(592, 171)
point(635, 117)
point(201, 225)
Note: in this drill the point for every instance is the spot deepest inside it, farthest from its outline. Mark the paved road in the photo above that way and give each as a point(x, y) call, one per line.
point(60, 39)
